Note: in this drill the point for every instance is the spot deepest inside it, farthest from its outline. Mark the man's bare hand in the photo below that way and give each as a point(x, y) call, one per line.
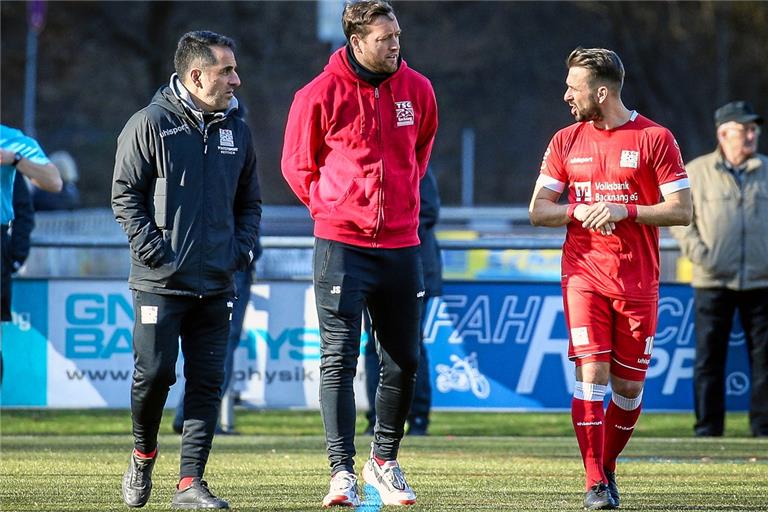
point(599, 215)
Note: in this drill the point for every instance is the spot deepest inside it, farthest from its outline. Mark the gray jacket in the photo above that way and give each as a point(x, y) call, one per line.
point(727, 240)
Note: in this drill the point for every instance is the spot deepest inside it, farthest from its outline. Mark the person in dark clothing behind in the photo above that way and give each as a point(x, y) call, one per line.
point(23, 223)
point(357, 141)
point(185, 191)
point(15, 252)
point(68, 198)
point(431, 262)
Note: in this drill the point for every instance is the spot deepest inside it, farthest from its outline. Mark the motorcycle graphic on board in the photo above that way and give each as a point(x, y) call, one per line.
point(462, 375)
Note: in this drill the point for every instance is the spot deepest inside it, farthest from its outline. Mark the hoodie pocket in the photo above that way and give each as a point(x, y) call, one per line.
point(358, 206)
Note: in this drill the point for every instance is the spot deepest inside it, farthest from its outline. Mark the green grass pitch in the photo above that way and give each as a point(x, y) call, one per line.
point(73, 461)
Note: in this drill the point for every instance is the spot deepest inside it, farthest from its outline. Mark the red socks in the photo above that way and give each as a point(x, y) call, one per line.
point(150, 455)
point(588, 418)
point(620, 420)
point(602, 435)
point(185, 483)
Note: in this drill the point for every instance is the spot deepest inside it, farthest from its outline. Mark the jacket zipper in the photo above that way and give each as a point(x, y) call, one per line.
point(740, 185)
point(380, 212)
point(206, 128)
point(202, 208)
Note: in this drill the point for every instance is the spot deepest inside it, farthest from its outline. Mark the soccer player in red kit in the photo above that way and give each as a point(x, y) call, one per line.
point(616, 166)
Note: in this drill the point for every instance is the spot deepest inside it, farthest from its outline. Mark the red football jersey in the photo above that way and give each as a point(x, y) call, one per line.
point(636, 163)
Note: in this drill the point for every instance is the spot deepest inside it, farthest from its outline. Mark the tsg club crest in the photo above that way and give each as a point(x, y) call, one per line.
point(226, 139)
point(404, 113)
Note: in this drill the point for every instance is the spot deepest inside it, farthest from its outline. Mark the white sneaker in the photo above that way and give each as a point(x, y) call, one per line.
point(343, 491)
point(389, 480)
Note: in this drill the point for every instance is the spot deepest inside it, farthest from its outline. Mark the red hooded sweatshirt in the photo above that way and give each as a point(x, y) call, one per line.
point(354, 153)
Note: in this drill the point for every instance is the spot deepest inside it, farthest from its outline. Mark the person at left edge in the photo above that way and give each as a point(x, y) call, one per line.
point(18, 152)
point(185, 191)
point(21, 153)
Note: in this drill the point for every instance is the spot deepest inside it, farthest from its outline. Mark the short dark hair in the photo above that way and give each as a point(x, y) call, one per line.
point(604, 65)
point(358, 14)
point(197, 45)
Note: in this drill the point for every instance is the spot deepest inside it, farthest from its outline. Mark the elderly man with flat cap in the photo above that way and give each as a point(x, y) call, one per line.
point(727, 241)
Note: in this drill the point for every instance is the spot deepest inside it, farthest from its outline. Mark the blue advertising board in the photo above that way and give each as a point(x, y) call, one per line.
point(504, 346)
point(492, 346)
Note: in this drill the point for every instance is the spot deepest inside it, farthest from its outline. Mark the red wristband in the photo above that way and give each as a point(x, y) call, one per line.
point(571, 209)
point(631, 211)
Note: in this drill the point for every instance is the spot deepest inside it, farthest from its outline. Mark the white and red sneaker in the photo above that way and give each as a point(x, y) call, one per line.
point(389, 480)
point(343, 491)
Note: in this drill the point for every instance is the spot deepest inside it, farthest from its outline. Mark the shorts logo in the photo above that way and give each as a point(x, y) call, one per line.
point(579, 336)
point(630, 159)
point(583, 190)
point(404, 112)
point(148, 315)
point(420, 294)
point(226, 138)
point(335, 290)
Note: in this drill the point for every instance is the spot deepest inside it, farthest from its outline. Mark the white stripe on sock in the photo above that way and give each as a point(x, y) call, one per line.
point(628, 404)
point(589, 392)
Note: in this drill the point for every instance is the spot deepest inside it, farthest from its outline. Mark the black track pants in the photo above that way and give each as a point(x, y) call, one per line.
point(203, 325)
point(389, 283)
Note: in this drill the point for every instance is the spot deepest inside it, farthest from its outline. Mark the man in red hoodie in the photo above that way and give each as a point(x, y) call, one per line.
point(357, 142)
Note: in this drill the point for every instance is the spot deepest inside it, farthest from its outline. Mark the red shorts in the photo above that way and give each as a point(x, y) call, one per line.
point(611, 330)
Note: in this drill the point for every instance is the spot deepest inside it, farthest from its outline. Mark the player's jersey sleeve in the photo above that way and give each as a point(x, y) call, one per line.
point(552, 174)
point(16, 141)
point(668, 163)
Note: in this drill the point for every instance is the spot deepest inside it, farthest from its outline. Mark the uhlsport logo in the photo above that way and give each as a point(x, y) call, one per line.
point(404, 112)
point(175, 130)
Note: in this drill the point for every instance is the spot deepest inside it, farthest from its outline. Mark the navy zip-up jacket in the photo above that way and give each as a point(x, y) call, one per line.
point(187, 195)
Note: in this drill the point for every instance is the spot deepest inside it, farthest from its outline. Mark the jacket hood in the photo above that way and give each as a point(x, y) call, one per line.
point(176, 98)
point(338, 65)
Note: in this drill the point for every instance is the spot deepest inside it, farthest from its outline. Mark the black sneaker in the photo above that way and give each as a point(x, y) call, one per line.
point(137, 481)
point(197, 496)
point(613, 489)
point(597, 498)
